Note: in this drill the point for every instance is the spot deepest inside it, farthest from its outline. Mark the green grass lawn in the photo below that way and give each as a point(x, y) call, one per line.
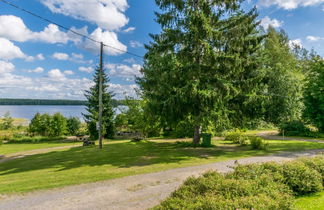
point(311, 202)
point(7, 149)
point(118, 159)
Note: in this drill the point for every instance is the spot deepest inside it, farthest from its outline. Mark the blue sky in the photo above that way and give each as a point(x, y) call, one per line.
point(39, 60)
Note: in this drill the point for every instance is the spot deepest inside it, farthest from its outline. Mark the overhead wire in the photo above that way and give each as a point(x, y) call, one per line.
point(68, 29)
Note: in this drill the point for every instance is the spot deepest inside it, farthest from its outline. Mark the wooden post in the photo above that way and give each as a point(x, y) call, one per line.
point(100, 96)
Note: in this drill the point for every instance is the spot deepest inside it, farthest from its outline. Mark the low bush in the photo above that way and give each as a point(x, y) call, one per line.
point(240, 138)
point(33, 139)
point(295, 174)
point(258, 143)
point(294, 128)
point(214, 191)
point(254, 186)
point(237, 137)
point(316, 163)
point(302, 179)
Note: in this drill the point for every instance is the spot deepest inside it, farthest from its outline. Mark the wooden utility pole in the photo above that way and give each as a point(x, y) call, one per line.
point(100, 96)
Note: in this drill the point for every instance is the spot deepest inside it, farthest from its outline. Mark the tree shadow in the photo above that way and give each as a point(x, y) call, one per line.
point(122, 155)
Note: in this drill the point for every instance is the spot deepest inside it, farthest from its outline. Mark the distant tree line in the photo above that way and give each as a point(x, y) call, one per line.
point(6, 101)
point(53, 125)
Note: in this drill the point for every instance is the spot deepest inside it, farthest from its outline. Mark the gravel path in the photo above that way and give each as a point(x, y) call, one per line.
point(133, 192)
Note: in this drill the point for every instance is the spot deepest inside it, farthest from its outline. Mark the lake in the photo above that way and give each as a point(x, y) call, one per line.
point(28, 112)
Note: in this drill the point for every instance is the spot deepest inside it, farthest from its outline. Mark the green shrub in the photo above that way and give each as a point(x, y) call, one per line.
point(73, 125)
point(302, 179)
point(253, 171)
point(316, 163)
point(237, 137)
point(258, 143)
point(254, 186)
point(294, 128)
point(214, 191)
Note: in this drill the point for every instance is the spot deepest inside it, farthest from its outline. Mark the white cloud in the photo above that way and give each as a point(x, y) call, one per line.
point(77, 56)
point(56, 74)
point(266, 22)
point(52, 35)
point(61, 56)
point(14, 28)
point(123, 90)
point(36, 70)
point(126, 72)
point(9, 51)
point(295, 42)
point(68, 72)
point(135, 44)
point(6, 67)
point(107, 37)
point(130, 60)
point(40, 57)
point(107, 14)
point(55, 86)
point(86, 69)
point(130, 29)
point(314, 38)
point(289, 4)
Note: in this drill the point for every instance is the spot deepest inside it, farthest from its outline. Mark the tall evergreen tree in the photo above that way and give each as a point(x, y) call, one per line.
point(202, 58)
point(92, 108)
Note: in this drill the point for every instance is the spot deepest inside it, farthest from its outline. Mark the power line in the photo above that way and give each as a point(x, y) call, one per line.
point(67, 29)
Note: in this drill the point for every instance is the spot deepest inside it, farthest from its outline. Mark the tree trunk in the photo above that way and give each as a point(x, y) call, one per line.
point(196, 139)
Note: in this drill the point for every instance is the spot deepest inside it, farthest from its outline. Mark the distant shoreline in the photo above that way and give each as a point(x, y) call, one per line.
point(47, 102)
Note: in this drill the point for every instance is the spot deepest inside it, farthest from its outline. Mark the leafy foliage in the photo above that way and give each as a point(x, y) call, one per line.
point(47, 125)
point(283, 80)
point(73, 125)
point(314, 97)
point(214, 191)
point(135, 118)
point(258, 143)
point(294, 128)
point(237, 137)
point(6, 122)
point(254, 186)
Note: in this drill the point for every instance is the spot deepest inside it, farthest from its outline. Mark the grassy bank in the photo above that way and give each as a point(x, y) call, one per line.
point(118, 159)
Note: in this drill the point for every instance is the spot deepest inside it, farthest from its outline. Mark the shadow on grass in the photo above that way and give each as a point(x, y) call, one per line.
point(128, 154)
point(123, 155)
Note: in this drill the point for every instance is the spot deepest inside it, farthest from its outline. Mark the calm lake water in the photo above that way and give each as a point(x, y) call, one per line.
point(28, 112)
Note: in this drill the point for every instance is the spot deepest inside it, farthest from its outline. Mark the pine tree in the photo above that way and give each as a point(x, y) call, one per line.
point(92, 108)
point(201, 59)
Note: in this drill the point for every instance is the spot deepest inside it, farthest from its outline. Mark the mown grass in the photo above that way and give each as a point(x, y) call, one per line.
point(7, 149)
point(311, 202)
point(118, 159)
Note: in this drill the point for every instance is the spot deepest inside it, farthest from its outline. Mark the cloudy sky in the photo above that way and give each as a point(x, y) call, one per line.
point(40, 60)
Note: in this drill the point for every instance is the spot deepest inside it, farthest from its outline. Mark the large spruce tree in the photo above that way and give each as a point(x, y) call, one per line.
point(92, 108)
point(203, 57)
